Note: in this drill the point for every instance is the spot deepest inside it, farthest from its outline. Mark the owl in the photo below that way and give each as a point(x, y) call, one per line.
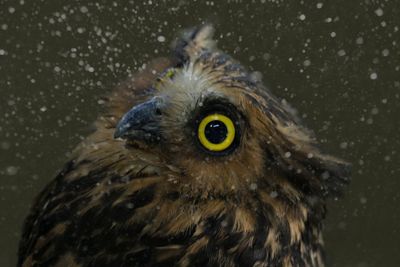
point(193, 162)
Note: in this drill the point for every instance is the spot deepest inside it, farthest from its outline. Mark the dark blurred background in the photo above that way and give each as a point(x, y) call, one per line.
point(337, 62)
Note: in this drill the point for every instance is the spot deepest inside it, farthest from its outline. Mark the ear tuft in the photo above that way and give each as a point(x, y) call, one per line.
point(194, 41)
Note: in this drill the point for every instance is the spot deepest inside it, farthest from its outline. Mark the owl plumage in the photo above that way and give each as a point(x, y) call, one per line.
point(144, 190)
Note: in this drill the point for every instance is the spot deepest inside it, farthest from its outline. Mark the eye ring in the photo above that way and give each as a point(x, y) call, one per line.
point(230, 135)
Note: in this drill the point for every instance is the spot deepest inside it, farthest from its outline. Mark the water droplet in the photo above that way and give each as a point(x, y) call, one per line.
point(307, 63)
point(341, 53)
point(325, 175)
point(273, 194)
point(379, 12)
point(385, 52)
point(12, 170)
point(84, 9)
point(161, 39)
point(253, 186)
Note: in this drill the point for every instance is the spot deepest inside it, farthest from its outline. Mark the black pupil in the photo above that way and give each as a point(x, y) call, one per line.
point(216, 132)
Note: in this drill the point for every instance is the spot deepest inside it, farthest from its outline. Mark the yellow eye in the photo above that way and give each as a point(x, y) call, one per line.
point(216, 132)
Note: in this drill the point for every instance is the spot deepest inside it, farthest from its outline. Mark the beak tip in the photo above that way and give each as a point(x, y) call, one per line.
point(119, 131)
point(116, 135)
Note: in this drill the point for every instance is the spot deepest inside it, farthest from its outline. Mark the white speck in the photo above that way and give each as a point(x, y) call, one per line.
point(2, 52)
point(11, 9)
point(5, 145)
point(343, 145)
point(253, 186)
point(384, 101)
point(12, 170)
point(375, 111)
point(379, 12)
point(359, 40)
point(161, 39)
point(341, 53)
point(89, 68)
point(43, 109)
point(373, 76)
point(325, 175)
point(302, 17)
point(288, 154)
point(273, 194)
point(57, 69)
point(333, 34)
point(307, 63)
point(320, 5)
point(310, 155)
point(385, 52)
point(130, 206)
point(84, 9)
point(4, 27)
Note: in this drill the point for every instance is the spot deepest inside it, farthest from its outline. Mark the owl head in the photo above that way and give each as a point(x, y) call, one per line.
point(221, 132)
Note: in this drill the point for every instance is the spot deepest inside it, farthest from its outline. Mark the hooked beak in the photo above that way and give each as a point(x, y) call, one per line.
point(142, 122)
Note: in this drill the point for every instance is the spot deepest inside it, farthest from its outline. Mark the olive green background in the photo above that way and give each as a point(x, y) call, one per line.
point(337, 62)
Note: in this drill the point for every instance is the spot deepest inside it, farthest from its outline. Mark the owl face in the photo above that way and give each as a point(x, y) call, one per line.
point(222, 131)
point(194, 115)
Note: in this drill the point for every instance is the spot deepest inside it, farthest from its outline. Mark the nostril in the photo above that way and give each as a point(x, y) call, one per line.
point(158, 111)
